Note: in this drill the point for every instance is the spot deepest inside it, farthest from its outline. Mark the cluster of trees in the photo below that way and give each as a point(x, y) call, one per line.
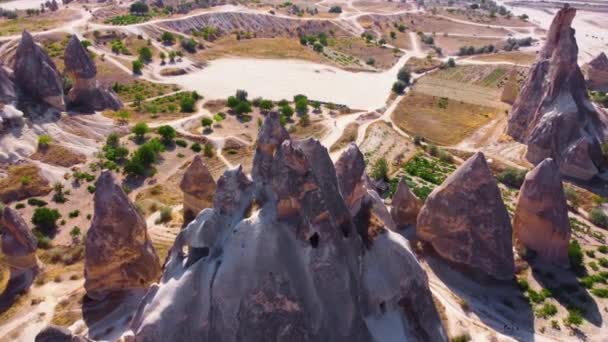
point(139, 8)
point(471, 50)
point(239, 103)
point(335, 9)
point(404, 77)
point(143, 158)
point(8, 14)
point(514, 44)
point(317, 41)
point(209, 33)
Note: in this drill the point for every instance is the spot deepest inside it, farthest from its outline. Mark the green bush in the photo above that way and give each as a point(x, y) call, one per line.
point(598, 217)
point(74, 214)
point(36, 202)
point(186, 105)
point(167, 132)
point(575, 317)
point(512, 177)
point(140, 130)
point(380, 170)
point(181, 142)
point(44, 140)
point(399, 87)
point(208, 150)
point(206, 121)
point(166, 214)
point(137, 66)
point(196, 147)
point(602, 293)
point(575, 254)
point(45, 219)
point(546, 311)
point(603, 249)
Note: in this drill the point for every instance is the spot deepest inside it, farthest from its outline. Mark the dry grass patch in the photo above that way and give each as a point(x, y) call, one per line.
point(421, 65)
point(348, 135)
point(58, 155)
point(517, 57)
point(444, 122)
point(68, 310)
point(451, 44)
point(23, 181)
point(42, 22)
point(315, 130)
point(276, 48)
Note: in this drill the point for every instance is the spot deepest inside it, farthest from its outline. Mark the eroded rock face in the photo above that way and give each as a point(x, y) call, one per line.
point(86, 93)
point(405, 206)
point(54, 333)
point(36, 74)
point(118, 252)
point(18, 242)
point(553, 114)
point(465, 220)
point(278, 258)
point(198, 187)
point(597, 73)
point(541, 220)
point(510, 89)
point(7, 86)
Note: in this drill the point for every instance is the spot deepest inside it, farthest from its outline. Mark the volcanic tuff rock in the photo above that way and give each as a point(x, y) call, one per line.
point(405, 205)
point(541, 219)
point(86, 93)
point(466, 221)
point(118, 252)
point(58, 334)
point(510, 89)
point(18, 242)
point(553, 114)
point(36, 74)
point(596, 73)
point(7, 86)
point(198, 187)
point(277, 258)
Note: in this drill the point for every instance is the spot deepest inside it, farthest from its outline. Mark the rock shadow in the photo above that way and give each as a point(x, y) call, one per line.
point(16, 286)
point(498, 304)
point(566, 289)
point(107, 319)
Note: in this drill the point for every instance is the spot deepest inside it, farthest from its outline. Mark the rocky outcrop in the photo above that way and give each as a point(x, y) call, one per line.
point(466, 222)
point(198, 187)
point(36, 74)
point(86, 94)
point(596, 73)
point(18, 242)
point(118, 252)
point(278, 258)
point(7, 86)
point(405, 205)
point(541, 221)
point(510, 89)
point(19, 248)
point(553, 114)
point(54, 333)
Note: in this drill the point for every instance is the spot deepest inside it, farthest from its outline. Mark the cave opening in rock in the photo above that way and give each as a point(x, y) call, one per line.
point(314, 240)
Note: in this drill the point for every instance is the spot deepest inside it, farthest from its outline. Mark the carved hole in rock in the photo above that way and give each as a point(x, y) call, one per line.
point(314, 240)
point(196, 253)
point(142, 282)
point(345, 228)
point(253, 207)
point(383, 307)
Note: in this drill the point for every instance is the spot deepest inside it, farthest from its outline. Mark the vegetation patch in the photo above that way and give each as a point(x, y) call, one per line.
point(23, 181)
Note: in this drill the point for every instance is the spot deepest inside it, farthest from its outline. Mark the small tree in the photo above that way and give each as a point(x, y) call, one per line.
point(380, 170)
point(598, 217)
point(45, 219)
point(266, 105)
point(187, 104)
point(208, 150)
point(243, 107)
point(137, 66)
point(286, 111)
point(404, 75)
point(44, 140)
point(75, 233)
point(241, 95)
point(206, 122)
point(140, 130)
point(451, 63)
point(167, 132)
point(145, 54)
point(168, 38)
point(399, 87)
point(139, 8)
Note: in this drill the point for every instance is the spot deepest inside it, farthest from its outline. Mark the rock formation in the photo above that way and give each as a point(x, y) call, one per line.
point(510, 89)
point(541, 221)
point(36, 74)
point(118, 252)
point(86, 93)
point(19, 248)
point(465, 220)
point(54, 333)
point(198, 187)
point(553, 114)
point(278, 258)
point(9, 115)
point(7, 86)
point(405, 205)
point(597, 73)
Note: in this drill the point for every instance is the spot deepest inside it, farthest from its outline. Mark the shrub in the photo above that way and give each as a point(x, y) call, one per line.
point(139, 7)
point(547, 310)
point(603, 249)
point(19, 206)
point(137, 66)
point(75, 232)
point(572, 196)
point(44, 140)
point(74, 214)
point(603, 262)
point(598, 217)
point(404, 75)
point(523, 284)
point(196, 147)
point(91, 189)
point(36, 202)
point(206, 121)
point(602, 293)
point(189, 45)
point(208, 150)
point(140, 130)
point(399, 87)
point(186, 104)
point(512, 177)
point(574, 317)
point(335, 9)
point(287, 111)
point(575, 254)
point(168, 38)
point(243, 107)
point(167, 132)
point(380, 169)
point(461, 338)
point(45, 219)
point(166, 214)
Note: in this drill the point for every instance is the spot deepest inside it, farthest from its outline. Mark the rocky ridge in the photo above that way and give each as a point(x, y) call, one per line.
point(309, 274)
point(553, 114)
point(596, 73)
